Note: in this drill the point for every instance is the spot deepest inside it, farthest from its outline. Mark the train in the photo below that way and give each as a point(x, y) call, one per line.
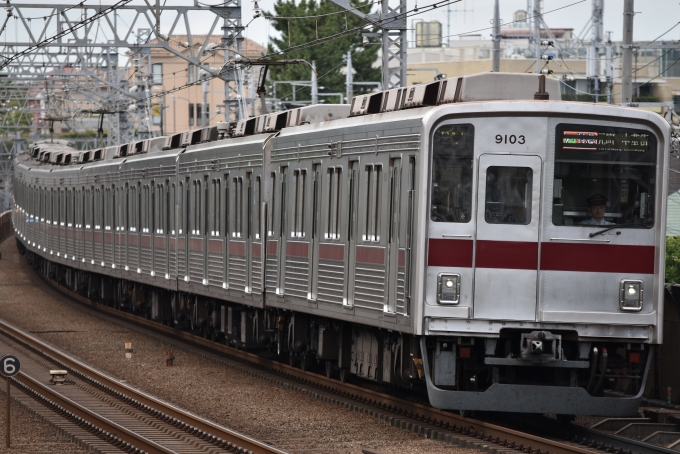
point(476, 237)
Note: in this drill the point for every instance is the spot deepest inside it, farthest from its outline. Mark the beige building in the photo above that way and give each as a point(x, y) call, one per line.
point(183, 109)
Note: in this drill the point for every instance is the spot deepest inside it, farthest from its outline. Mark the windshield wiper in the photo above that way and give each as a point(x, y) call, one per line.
point(616, 226)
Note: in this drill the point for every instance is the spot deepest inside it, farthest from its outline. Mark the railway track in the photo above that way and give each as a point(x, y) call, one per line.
point(418, 417)
point(122, 417)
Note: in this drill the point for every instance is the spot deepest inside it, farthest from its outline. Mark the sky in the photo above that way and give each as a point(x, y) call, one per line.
point(653, 17)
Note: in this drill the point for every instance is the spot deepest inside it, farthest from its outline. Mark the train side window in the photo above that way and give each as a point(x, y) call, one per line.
point(225, 209)
point(333, 186)
point(604, 176)
point(508, 195)
point(205, 207)
point(238, 208)
point(257, 201)
point(452, 161)
point(271, 208)
point(172, 212)
point(298, 230)
point(182, 208)
point(372, 179)
point(216, 204)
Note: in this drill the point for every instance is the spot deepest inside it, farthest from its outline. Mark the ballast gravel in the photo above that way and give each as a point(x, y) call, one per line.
point(287, 419)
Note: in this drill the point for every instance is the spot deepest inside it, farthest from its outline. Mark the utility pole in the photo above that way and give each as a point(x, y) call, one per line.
point(608, 67)
point(537, 33)
point(315, 85)
point(204, 109)
point(627, 66)
point(595, 42)
point(392, 22)
point(496, 65)
point(349, 80)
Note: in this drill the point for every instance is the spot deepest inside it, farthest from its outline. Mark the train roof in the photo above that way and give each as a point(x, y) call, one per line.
point(416, 102)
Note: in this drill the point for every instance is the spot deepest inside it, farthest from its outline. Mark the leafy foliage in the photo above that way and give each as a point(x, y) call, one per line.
point(673, 259)
point(329, 56)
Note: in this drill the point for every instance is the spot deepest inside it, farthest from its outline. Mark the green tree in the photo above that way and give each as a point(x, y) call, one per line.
point(673, 259)
point(329, 57)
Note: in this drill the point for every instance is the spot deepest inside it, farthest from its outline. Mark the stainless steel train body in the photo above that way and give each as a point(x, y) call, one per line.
point(448, 245)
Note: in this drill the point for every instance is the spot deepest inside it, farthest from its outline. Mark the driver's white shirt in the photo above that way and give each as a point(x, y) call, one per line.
point(592, 221)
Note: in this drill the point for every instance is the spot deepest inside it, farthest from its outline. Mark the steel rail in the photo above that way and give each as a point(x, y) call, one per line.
point(482, 430)
point(119, 435)
point(201, 426)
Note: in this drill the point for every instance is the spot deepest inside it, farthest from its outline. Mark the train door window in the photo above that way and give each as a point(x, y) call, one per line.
point(508, 195)
point(372, 179)
point(282, 214)
point(160, 209)
point(257, 210)
point(187, 206)
point(271, 208)
point(125, 212)
point(452, 160)
point(205, 207)
point(138, 208)
point(604, 176)
point(196, 208)
point(182, 208)
point(249, 205)
point(333, 182)
point(225, 209)
point(315, 201)
point(107, 209)
point(216, 205)
point(238, 207)
point(144, 209)
point(171, 208)
point(298, 227)
point(47, 218)
point(62, 207)
point(132, 204)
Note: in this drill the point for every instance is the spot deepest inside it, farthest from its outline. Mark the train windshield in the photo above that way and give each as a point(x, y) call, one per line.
point(452, 159)
point(603, 176)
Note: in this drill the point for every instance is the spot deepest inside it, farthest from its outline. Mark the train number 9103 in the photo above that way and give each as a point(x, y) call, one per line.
point(511, 139)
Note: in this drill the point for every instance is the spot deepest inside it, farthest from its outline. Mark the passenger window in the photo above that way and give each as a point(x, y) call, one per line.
point(603, 176)
point(452, 159)
point(372, 180)
point(508, 195)
point(298, 230)
point(333, 203)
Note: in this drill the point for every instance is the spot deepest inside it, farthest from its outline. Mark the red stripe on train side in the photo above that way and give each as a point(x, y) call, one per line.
point(195, 244)
point(215, 246)
point(159, 242)
point(272, 247)
point(256, 249)
point(598, 258)
point(237, 248)
point(295, 249)
point(332, 252)
point(370, 255)
point(454, 253)
point(514, 255)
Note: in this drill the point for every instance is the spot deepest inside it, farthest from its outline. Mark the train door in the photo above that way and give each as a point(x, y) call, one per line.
point(506, 257)
point(352, 225)
point(282, 233)
point(248, 213)
point(393, 255)
point(314, 250)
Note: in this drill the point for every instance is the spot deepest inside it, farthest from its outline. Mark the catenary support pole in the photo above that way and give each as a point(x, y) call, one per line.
point(496, 66)
point(627, 64)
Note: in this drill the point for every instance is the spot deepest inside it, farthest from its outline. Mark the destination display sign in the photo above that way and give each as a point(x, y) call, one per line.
point(636, 142)
point(604, 143)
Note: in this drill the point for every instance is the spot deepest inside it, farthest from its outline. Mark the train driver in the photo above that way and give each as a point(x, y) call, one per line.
point(597, 208)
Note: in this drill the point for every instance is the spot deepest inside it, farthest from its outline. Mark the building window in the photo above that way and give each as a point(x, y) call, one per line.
point(157, 74)
point(156, 114)
point(191, 114)
point(191, 73)
point(199, 114)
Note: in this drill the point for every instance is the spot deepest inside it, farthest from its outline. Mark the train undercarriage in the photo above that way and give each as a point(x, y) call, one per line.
point(516, 370)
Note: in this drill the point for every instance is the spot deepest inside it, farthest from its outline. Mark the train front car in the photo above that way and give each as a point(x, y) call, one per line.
point(545, 235)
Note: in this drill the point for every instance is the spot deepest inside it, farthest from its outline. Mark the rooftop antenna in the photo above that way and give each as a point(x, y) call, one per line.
point(465, 10)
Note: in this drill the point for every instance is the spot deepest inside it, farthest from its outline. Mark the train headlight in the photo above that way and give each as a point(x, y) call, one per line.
point(630, 298)
point(448, 288)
